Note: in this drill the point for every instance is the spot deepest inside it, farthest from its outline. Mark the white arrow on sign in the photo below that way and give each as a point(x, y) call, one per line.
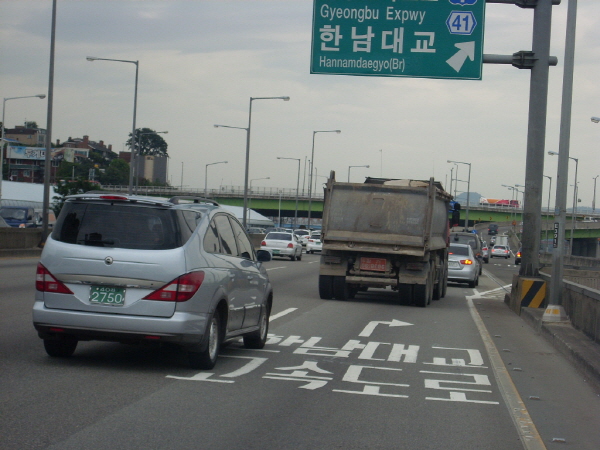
point(371, 326)
point(466, 50)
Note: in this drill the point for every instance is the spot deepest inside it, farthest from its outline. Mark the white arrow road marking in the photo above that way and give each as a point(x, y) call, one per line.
point(466, 50)
point(371, 326)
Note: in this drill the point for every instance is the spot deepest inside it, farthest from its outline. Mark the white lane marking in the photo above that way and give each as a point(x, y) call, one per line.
point(501, 288)
point(522, 420)
point(368, 330)
point(275, 268)
point(281, 314)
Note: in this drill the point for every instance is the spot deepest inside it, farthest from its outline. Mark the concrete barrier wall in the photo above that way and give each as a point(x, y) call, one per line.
point(19, 238)
point(582, 304)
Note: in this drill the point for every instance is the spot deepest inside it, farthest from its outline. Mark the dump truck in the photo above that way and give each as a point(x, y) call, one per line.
point(385, 233)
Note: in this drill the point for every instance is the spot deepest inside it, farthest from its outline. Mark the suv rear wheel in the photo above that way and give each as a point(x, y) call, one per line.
point(207, 358)
point(257, 339)
point(60, 348)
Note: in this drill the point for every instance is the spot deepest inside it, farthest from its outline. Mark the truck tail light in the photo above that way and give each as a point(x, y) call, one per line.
point(180, 289)
point(45, 282)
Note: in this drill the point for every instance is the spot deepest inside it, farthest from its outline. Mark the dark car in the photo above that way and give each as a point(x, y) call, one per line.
point(518, 258)
point(492, 229)
point(463, 237)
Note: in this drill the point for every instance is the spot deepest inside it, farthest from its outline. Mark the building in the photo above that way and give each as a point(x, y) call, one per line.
point(85, 145)
point(31, 137)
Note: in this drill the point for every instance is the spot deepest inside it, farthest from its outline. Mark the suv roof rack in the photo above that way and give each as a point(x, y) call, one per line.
point(176, 200)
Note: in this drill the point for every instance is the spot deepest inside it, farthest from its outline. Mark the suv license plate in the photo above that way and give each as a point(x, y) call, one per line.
point(105, 295)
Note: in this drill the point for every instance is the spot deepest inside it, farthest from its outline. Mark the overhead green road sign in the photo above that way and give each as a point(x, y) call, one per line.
point(398, 38)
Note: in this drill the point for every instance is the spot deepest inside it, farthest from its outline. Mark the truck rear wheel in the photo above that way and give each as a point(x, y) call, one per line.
point(424, 292)
point(438, 289)
point(326, 287)
point(405, 293)
point(341, 290)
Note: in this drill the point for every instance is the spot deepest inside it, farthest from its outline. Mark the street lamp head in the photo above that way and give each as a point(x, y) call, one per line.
point(286, 99)
point(42, 96)
point(91, 58)
point(553, 153)
point(338, 131)
point(595, 119)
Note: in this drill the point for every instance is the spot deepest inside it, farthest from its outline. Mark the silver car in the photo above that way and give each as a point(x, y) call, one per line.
point(144, 270)
point(463, 267)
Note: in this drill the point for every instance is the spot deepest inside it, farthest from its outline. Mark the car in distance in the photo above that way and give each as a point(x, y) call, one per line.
point(485, 252)
point(314, 243)
point(518, 258)
point(463, 237)
point(135, 269)
point(303, 235)
point(492, 229)
point(282, 244)
point(500, 251)
point(463, 267)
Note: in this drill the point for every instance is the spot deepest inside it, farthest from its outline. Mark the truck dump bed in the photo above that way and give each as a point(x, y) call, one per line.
point(399, 217)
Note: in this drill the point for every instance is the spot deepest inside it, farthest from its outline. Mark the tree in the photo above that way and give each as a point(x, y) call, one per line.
point(117, 172)
point(31, 124)
point(70, 188)
point(148, 142)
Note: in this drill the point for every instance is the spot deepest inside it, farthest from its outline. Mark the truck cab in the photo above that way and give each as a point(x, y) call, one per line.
point(20, 216)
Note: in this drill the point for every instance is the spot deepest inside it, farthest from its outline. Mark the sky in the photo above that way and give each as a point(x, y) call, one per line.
point(201, 61)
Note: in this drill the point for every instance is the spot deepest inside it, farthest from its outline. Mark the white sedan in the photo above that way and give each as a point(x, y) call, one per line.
point(282, 244)
point(500, 251)
point(314, 244)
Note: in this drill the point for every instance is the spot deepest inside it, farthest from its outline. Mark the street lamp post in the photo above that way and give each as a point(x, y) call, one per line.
point(133, 139)
point(312, 163)
point(40, 96)
point(349, 167)
point(468, 191)
point(574, 200)
point(250, 191)
point(513, 189)
point(247, 165)
point(206, 176)
point(594, 198)
point(297, 188)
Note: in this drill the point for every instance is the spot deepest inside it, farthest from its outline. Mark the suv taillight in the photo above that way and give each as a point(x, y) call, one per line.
point(45, 282)
point(180, 289)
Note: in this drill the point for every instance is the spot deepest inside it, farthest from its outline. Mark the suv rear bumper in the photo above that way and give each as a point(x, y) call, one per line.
point(181, 328)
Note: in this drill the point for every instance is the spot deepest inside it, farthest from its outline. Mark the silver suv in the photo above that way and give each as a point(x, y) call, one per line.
point(137, 269)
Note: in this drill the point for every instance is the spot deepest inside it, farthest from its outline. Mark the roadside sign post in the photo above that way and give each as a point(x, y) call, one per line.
point(402, 38)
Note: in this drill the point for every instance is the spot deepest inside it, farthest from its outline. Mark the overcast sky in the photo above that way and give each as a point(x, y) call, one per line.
point(201, 61)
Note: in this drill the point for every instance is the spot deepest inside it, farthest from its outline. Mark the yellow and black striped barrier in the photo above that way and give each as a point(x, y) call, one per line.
point(532, 292)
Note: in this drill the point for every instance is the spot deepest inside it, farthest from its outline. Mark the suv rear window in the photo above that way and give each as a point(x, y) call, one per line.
point(456, 250)
point(120, 225)
point(463, 239)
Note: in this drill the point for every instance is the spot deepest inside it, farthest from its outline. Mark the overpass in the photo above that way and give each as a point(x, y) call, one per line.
point(275, 202)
